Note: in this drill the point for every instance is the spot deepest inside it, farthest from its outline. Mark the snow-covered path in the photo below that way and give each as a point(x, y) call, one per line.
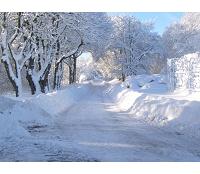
point(98, 129)
point(93, 129)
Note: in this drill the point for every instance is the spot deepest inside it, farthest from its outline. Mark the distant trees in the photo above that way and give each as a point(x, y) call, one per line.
point(134, 43)
point(183, 36)
point(108, 65)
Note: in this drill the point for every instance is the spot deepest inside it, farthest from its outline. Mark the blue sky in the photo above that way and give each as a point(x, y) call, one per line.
point(161, 19)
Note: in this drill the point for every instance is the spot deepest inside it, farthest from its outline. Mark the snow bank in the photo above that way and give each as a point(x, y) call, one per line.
point(8, 123)
point(58, 101)
point(19, 116)
point(146, 97)
point(16, 116)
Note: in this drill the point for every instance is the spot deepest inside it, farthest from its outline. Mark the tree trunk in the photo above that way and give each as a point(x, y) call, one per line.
point(123, 77)
point(31, 83)
point(74, 71)
point(43, 81)
point(57, 75)
point(29, 72)
point(55, 81)
point(13, 82)
point(60, 72)
point(70, 75)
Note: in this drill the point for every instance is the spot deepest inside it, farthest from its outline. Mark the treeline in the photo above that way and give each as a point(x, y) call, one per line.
point(36, 48)
point(38, 44)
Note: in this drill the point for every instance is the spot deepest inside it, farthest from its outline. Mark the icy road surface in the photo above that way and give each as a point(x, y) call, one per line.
point(94, 129)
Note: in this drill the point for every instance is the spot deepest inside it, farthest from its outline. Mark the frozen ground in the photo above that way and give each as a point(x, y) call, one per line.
point(100, 121)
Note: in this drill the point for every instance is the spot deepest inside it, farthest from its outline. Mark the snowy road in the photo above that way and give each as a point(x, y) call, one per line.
point(94, 129)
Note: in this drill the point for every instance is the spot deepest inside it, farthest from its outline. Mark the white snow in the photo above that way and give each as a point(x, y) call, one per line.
point(148, 98)
point(15, 115)
point(102, 121)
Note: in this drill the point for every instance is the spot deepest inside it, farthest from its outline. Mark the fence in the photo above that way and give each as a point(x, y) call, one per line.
point(184, 72)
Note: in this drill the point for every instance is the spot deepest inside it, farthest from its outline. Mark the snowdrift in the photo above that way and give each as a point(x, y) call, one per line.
point(147, 98)
point(144, 97)
point(56, 102)
point(19, 116)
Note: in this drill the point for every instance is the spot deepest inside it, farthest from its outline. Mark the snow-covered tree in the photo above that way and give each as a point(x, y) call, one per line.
point(45, 35)
point(15, 47)
point(97, 32)
point(182, 37)
point(37, 47)
point(135, 42)
point(108, 65)
point(90, 33)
